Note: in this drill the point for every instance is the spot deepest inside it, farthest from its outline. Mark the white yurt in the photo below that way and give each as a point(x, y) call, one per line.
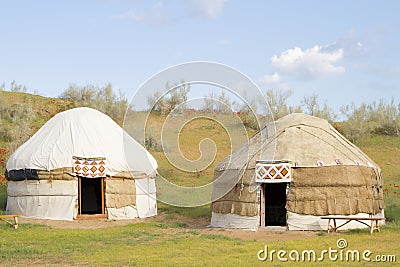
point(291, 173)
point(81, 163)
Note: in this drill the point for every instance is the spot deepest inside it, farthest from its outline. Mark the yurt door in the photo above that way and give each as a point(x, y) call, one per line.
point(274, 177)
point(273, 202)
point(91, 195)
point(91, 173)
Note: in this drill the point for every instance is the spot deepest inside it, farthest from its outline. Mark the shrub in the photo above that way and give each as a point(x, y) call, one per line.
point(152, 144)
point(176, 95)
point(6, 134)
point(386, 128)
point(103, 99)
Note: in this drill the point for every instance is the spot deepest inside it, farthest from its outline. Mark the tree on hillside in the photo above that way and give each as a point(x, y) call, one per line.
point(14, 87)
point(378, 117)
point(388, 116)
point(209, 102)
point(356, 125)
point(310, 103)
point(103, 99)
point(312, 106)
point(277, 102)
point(248, 112)
point(224, 104)
point(218, 103)
point(176, 95)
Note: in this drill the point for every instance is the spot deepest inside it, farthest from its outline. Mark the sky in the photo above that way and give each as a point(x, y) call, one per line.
point(343, 51)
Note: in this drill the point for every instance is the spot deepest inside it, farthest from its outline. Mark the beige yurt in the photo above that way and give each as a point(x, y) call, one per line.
point(291, 173)
point(81, 163)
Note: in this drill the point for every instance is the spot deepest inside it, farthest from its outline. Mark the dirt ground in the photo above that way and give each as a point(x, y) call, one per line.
point(199, 224)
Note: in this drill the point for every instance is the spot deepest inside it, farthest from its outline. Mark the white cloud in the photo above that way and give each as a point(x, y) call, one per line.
point(209, 8)
point(270, 79)
point(273, 80)
point(308, 64)
point(311, 63)
point(157, 14)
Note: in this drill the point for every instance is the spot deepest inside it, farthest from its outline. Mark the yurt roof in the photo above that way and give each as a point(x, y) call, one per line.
point(82, 132)
point(301, 138)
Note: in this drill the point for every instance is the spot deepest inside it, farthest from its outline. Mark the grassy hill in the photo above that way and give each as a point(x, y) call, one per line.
point(221, 129)
point(384, 150)
point(209, 134)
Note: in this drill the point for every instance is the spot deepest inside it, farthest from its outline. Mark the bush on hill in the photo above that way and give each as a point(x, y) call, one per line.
point(103, 99)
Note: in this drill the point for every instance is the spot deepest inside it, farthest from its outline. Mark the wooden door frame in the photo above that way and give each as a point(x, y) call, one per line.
point(102, 183)
point(262, 205)
point(102, 196)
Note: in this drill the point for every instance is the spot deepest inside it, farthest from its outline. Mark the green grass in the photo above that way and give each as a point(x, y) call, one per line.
point(321, 234)
point(145, 244)
point(196, 212)
point(174, 225)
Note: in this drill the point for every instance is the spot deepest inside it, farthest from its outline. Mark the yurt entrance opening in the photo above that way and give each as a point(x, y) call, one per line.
point(91, 174)
point(274, 177)
point(273, 202)
point(91, 195)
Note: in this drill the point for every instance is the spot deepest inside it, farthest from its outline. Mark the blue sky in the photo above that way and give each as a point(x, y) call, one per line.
point(343, 51)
